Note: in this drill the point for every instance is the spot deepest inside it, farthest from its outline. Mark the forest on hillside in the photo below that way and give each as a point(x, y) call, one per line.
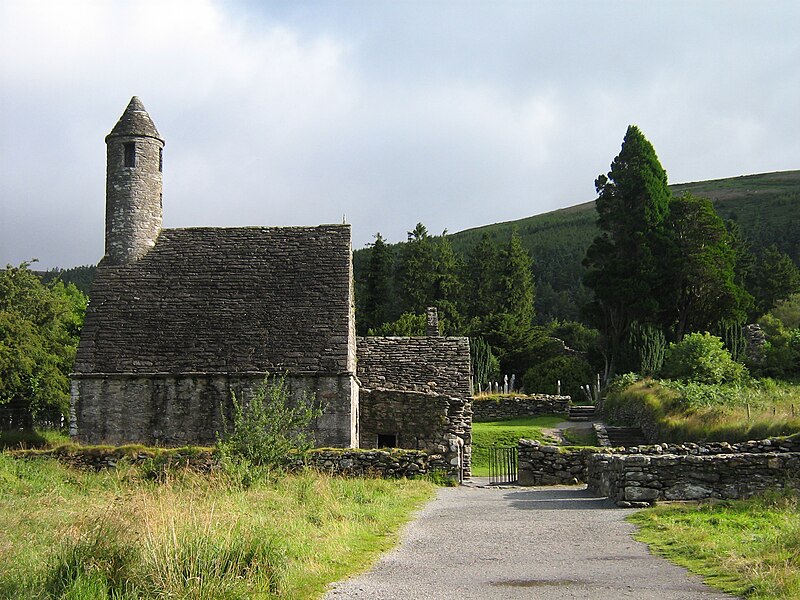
point(765, 206)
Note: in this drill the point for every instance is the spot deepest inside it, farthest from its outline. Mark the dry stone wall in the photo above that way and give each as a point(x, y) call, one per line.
point(666, 471)
point(336, 461)
point(437, 424)
point(515, 407)
point(541, 464)
point(386, 463)
point(636, 479)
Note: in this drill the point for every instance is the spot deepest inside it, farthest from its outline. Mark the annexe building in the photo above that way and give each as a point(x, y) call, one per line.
point(179, 319)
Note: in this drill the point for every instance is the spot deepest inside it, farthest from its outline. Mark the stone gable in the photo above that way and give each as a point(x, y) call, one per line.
point(423, 364)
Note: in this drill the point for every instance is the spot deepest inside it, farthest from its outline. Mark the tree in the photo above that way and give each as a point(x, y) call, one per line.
point(416, 270)
point(622, 263)
point(516, 295)
point(774, 278)
point(377, 298)
point(482, 275)
point(39, 330)
point(701, 357)
point(701, 265)
point(447, 285)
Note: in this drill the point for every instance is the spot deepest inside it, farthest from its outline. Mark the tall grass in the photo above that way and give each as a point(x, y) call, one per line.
point(732, 412)
point(73, 534)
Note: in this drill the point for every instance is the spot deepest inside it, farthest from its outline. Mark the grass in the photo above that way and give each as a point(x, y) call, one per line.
point(575, 436)
point(750, 548)
point(75, 534)
point(32, 439)
point(752, 410)
point(506, 433)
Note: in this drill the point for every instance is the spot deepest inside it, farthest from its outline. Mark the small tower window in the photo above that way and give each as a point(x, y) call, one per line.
point(160, 160)
point(130, 154)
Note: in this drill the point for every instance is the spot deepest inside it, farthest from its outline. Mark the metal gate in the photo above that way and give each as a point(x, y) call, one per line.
point(503, 464)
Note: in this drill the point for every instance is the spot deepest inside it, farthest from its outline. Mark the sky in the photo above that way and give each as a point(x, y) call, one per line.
point(383, 114)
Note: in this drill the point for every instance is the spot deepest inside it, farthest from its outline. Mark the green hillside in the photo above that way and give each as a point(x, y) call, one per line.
point(766, 206)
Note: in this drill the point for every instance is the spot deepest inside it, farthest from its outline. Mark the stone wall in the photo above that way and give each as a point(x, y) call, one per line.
point(515, 407)
point(637, 479)
point(686, 471)
point(175, 410)
point(424, 364)
point(437, 424)
point(376, 463)
point(552, 465)
point(338, 461)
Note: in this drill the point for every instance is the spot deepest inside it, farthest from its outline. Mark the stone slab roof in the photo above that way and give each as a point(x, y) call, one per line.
point(422, 364)
point(224, 300)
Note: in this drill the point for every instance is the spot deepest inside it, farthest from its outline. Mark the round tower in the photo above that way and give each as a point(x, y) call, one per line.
point(133, 185)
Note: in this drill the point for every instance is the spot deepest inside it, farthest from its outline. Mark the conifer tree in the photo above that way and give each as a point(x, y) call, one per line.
point(447, 287)
point(416, 271)
point(775, 278)
point(516, 281)
point(622, 263)
point(482, 276)
point(701, 270)
point(377, 298)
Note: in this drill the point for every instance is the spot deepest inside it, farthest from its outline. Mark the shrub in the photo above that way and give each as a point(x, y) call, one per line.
point(269, 427)
point(701, 357)
point(573, 372)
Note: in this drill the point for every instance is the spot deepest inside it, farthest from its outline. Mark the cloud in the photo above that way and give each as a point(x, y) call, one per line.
point(454, 114)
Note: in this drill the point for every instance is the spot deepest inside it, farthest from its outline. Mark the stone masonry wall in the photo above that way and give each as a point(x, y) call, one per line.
point(376, 463)
point(424, 364)
point(666, 471)
point(490, 409)
point(437, 424)
point(174, 410)
point(340, 461)
point(635, 479)
point(552, 465)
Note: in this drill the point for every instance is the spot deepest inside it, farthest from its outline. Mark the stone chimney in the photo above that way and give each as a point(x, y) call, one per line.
point(431, 322)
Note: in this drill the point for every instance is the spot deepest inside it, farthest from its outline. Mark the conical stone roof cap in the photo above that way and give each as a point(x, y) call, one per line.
point(135, 121)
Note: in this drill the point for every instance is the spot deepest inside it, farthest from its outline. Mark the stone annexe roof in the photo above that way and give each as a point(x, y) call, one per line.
point(222, 300)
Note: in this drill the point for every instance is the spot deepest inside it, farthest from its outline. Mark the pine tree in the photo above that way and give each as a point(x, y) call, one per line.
point(416, 271)
point(377, 298)
point(516, 281)
point(482, 276)
point(622, 263)
point(448, 286)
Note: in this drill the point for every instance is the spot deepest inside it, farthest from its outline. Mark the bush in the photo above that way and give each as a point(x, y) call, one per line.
point(701, 357)
point(270, 427)
point(573, 372)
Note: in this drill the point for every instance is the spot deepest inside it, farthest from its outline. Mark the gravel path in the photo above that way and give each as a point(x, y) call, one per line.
point(554, 543)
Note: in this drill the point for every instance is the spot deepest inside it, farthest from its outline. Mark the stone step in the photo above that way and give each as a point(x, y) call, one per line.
point(625, 436)
point(582, 413)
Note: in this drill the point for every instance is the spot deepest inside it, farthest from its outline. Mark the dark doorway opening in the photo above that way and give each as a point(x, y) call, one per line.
point(387, 440)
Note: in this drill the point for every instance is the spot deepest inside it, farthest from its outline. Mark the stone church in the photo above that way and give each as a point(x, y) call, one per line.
point(180, 319)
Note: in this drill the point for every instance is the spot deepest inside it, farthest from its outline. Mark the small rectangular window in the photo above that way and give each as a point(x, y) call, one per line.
point(130, 154)
point(387, 440)
point(160, 160)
